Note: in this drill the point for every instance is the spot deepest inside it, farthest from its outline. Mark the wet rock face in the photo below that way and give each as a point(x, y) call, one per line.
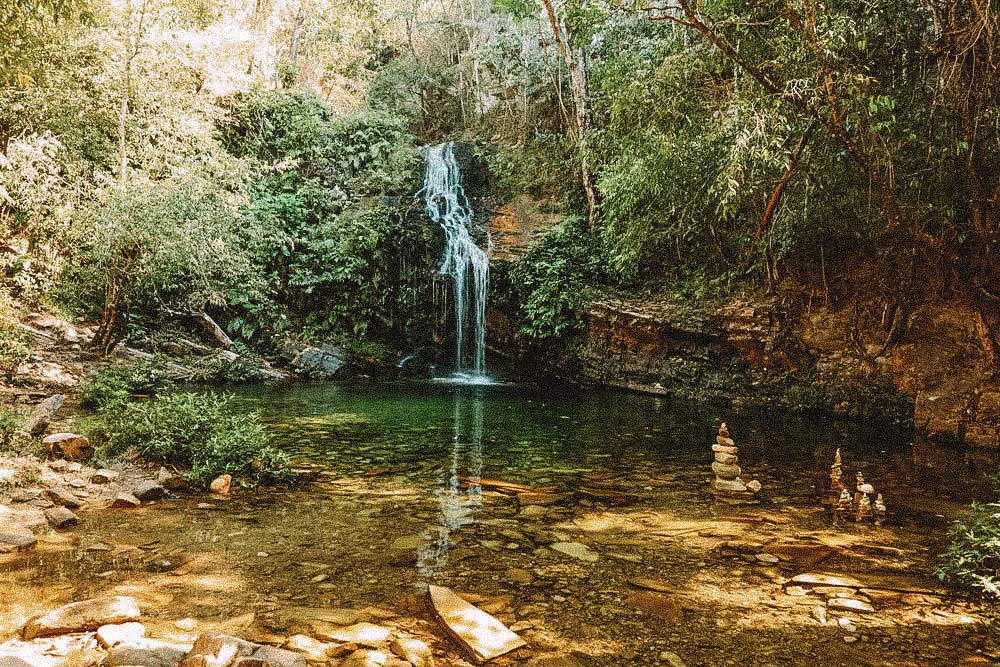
point(321, 363)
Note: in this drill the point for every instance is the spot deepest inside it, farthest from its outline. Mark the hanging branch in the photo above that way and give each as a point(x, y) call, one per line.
point(772, 204)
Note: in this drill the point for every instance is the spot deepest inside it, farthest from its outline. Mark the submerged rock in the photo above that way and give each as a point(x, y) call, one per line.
point(13, 542)
point(481, 635)
point(83, 616)
point(60, 517)
point(576, 550)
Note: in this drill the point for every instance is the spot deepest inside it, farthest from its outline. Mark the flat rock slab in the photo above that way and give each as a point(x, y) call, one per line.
point(363, 634)
point(11, 542)
point(146, 653)
point(110, 636)
point(576, 550)
point(269, 656)
point(83, 616)
point(821, 579)
point(850, 604)
point(481, 635)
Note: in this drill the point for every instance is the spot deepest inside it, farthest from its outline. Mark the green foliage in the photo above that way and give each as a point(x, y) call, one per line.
point(14, 341)
point(10, 425)
point(201, 432)
point(551, 280)
point(973, 559)
point(115, 384)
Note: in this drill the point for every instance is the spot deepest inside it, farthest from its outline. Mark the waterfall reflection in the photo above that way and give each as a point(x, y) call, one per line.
point(460, 493)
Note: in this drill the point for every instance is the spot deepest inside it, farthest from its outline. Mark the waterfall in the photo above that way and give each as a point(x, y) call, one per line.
point(463, 260)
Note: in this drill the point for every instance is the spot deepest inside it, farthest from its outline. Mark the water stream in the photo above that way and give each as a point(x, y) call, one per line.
point(463, 261)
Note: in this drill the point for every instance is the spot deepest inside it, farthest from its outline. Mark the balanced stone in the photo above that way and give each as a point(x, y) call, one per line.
point(879, 510)
point(725, 471)
point(728, 484)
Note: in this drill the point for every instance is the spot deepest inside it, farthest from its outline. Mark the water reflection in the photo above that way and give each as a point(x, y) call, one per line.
point(460, 493)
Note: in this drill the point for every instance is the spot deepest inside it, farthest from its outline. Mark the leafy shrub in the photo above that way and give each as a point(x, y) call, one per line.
point(114, 384)
point(10, 425)
point(14, 348)
point(552, 278)
point(201, 432)
point(973, 559)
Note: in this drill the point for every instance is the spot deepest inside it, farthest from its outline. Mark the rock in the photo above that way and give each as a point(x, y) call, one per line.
point(554, 660)
point(83, 616)
point(221, 485)
point(767, 558)
point(481, 635)
point(723, 449)
point(14, 661)
point(110, 636)
point(735, 485)
point(269, 656)
point(727, 459)
point(169, 480)
point(819, 613)
point(313, 649)
point(671, 659)
point(186, 624)
point(724, 471)
point(850, 604)
point(42, 415)
point(148, 490)
point(364, 658)
point(576, 550)
point(416, 652)
point(104, 476)
point(62, 497)
point(520, 576)
point(125, 500)
point(533, 512)
point(60, 517)
point(217, 651)
point(69, 446)
point(662, 606)
point(364, 634)
point(146, 653)
point(408, 542)
point(77, 483)
point(10, 542)
point(320, 363)
point(820, 579)
point(754, 486)
point(850, 639)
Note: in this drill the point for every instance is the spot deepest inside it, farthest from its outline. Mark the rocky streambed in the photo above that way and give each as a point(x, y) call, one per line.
point(587, 529)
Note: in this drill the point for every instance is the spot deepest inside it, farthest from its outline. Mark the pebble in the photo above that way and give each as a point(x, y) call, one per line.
point(850, 639)
point(672, 659)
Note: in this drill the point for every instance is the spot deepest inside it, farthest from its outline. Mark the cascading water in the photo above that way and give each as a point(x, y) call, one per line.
point(463, 260)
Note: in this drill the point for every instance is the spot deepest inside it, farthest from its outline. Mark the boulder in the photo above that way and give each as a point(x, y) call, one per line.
point(62, 497)
point(146, 653)
point(42, 415)
point(10, 542)
point(83, 616)
point(221, 485)
point(70, 446)
point(320, 363)
point(60, 517)
point(104, 476)
point(169, 480)
point(148, 490)
point(125, 500)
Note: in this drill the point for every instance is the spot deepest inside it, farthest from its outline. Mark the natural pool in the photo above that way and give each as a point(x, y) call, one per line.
point(403, 497)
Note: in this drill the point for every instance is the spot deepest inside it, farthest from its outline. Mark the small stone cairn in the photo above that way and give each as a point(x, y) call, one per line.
point(728, 484)
point(858, 506)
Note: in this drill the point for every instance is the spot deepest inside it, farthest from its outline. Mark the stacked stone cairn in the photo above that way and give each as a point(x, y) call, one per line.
point(859, 505)
point(728, 484)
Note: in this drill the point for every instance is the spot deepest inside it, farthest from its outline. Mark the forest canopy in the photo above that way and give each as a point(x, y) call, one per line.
point(258, 160)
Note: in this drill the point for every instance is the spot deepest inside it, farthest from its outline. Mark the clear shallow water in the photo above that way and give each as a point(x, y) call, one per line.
point(403, 498)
